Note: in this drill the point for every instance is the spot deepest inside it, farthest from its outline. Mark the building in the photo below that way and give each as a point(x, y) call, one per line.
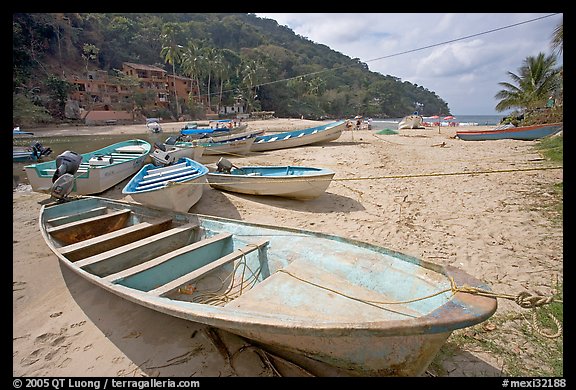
point(99, 91)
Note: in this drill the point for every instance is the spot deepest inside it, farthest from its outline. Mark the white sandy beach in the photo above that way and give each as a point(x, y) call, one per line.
point(478, 206)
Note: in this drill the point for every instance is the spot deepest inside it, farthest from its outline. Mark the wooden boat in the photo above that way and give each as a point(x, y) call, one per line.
point(316, 299)
point(291, 139)
point(525, 133)
point(166, 154)
point(295, 182)
point(413, 121)
point(33, 152)
point(175, 187)
point(98, 171)
point(237, 146)
point(193, 131)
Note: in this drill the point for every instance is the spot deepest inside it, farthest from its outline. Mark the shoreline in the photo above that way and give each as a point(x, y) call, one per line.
point(414, 192)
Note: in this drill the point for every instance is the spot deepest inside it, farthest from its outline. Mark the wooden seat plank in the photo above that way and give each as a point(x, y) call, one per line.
point(114, 239)
point(202, 271)
point(161, 259)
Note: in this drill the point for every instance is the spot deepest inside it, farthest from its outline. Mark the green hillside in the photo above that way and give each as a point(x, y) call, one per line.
point(231, 55)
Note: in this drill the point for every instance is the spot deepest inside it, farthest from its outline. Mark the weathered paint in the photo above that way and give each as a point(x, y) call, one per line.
point(312, 296)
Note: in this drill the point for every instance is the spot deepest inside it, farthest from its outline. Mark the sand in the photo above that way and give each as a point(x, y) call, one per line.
point(415, 192)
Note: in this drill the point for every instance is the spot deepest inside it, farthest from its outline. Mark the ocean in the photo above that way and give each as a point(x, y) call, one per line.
point(481, 120)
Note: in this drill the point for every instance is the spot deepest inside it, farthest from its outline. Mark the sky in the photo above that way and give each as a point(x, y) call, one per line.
point(462, 57)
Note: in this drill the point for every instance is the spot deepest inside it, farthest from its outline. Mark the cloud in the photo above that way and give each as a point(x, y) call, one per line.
point(448, 53)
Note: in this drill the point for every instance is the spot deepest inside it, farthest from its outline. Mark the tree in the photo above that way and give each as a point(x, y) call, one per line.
point(558, 39)
point(536, 81)
point(171, 52)
point(89, 52)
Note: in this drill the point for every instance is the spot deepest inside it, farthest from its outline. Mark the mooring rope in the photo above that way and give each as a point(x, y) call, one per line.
point(311, 179)
point(523, 299)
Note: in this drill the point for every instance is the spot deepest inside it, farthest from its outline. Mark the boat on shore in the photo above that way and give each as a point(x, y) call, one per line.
point(175, 187)
point(290, 139)
point(97, 171)
point(316, 299)
point(236, 146)
point(34, 152)
point(294, 182)
point(413, 121)
point(524, 133)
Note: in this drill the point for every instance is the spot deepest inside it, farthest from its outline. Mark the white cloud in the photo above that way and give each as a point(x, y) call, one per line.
point(463, 72)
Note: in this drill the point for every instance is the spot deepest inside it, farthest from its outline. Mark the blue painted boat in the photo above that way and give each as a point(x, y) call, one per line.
point(525, 133)
point(290, 139)
point(178, 186)
point(31, 153)
point(98, 171)
point(322, 301)
point(290, 181)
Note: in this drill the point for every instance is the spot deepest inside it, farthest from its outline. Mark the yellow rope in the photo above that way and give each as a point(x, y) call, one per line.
point(523, 299)
point(377, 177)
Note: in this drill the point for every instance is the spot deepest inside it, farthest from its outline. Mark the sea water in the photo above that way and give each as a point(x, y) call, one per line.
point(481, 120)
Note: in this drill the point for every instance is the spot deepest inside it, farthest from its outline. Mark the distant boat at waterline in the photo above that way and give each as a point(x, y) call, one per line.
point(524, 133)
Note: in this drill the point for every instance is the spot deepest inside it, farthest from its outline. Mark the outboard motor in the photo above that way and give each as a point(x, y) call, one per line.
point(62, 187)
point(38, 150)
point(224, 165)
point(67, 162)
point(171, 140)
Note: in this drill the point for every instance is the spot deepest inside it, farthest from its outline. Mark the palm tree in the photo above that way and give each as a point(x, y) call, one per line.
point(558, 39)
point(193, 64)
point(536, 81)
point(172, 54)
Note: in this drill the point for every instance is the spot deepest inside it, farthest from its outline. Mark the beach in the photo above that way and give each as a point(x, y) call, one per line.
point(480, 206)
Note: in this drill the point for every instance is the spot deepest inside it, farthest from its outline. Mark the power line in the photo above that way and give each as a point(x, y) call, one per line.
point(403, 52)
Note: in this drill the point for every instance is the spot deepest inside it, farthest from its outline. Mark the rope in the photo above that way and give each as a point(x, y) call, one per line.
point(386, 177)
point(523, 299)
point(217, 298)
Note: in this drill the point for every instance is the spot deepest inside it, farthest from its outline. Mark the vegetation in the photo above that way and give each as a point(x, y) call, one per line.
point(232, 57)
point(537, 90)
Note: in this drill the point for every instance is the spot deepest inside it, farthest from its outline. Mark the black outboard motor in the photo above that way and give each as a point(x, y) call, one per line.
point(67, 162)
point(38, 150)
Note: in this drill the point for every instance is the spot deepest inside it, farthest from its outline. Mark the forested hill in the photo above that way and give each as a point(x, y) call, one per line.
point(231, 55)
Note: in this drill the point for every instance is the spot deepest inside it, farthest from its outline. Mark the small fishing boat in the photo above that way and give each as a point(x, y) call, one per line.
point(524, 133)
point(94, 172)
point(313, 298)
point(33, 152)
point(174, 187)
point(236, 146)
point(295, 182)
point(215, 129)
point(290, 139)
point(413, 121)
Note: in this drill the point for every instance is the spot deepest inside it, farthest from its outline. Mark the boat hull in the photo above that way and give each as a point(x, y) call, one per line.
point(411, 122)
point(291, 139)
point(178, 187)
point(94, 179)
point(302, 183)
point(355, 307)
point(525, 133)
point(237, 146)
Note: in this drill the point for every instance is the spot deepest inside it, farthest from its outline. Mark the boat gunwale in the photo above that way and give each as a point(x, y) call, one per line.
point(457, 308)
point(508, 130)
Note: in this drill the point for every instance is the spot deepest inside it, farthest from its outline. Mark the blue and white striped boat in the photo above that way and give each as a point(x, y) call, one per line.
point(291, 139)
point(175, 187)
